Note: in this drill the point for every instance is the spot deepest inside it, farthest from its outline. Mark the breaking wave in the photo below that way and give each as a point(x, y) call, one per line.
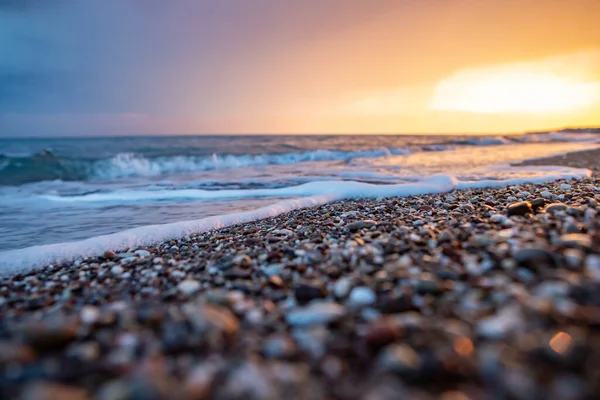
point(46, 165)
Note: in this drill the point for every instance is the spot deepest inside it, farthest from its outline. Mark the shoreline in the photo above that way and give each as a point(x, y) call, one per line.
point(453, 295)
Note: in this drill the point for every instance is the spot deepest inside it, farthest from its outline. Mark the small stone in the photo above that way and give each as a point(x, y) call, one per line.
point(535, 258)
point(142, 253)
point(362, 296)
point(342, 287)
point(576, 211)
point(547, 195)
point(13, 352)
point(580, 240)
point(538, 203)
point(116, 270)
point(89, 314)
point(278, 347)
point(555, 207)
point(304, 292)
point(50, 336)
point(316, 314)
point(188, 287)
point(358, 225)
point(520, 208)
point(53, 391)
point(381, 332)
point(428, 286)
point(395, 304)
point(110, 255)
point(401, 359)
point(501, 324)
point(565, 186)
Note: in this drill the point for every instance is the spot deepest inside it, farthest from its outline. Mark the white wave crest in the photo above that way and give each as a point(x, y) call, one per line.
point(129, 165)
point(314, 194)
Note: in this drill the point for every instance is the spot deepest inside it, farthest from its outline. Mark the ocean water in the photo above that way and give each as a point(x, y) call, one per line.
point(60, 198)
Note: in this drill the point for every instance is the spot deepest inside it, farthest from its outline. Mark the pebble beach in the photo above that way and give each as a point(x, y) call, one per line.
point(473, 294)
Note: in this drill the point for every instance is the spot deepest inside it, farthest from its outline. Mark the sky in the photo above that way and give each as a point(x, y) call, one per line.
point(129, 67)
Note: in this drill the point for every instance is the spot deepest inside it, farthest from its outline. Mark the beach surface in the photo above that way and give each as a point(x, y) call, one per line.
point(478, 293)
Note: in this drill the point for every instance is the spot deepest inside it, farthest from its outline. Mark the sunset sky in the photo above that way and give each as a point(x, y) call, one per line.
point(89, 67)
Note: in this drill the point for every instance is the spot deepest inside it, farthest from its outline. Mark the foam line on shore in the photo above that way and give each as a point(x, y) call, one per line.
point(317, 193)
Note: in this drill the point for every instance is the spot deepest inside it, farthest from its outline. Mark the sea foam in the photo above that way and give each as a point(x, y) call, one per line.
point(311, 195)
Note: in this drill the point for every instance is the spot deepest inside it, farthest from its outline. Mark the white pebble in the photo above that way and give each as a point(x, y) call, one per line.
point(342, 287)
point(362, 296)
point(116, 270)
point(142, 253)
point(565, 186)
point(89, 314)
point(315, 314)
point(188, 286)
point(546, 195)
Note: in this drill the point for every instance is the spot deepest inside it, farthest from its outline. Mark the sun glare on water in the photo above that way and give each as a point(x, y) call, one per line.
point(513, 91)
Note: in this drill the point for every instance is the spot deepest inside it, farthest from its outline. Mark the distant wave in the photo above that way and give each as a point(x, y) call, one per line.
point(45, 166)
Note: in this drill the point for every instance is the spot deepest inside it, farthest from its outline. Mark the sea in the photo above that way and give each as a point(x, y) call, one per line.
point(68, 197)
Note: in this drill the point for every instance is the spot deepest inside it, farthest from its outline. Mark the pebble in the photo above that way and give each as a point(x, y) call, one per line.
point(362, 296)
point(189, 287)
point(580, 240)
point(142, 253)
point(358, 225)
point(521, 208)
point(315, 314)
point(342, 287)
point(555, 207)
point(116, 270)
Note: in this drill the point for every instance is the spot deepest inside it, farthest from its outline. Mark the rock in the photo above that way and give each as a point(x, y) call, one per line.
point(400, 359)
point(278, 347)
point(555, 207)
point(381, 332)
point(116, 270)
point(89, 315)
point(342, 287)
point(242, 260)
point(498, 326)
point(565, 186)
point(535, 258)
point(395, 304)
point(427, 286)
point(547, 195)
point(358, 225)
point(362, 296)
point(520, 208)
point(201, 378)
point(142, 253)
point(538, 203)
point(13, 352)
point(304, 292)
point(53, 391)
point(188, 287)
point(576, 211)
point(580, 240)
point(110, 255)
point(316, 314)
point(46, 336)
point(211, 321)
